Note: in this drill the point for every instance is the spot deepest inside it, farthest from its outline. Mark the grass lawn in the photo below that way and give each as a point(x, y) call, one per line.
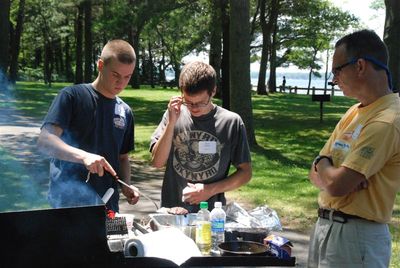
point(288, 133)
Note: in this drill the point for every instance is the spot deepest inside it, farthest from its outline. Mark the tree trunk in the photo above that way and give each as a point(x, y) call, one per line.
point(239, 58)
point(151, 65)
point(68, 61)
point(261, 89)
point(272, 63)
point(79, 41)
point(215, 42)
point(267, 28)
point(314, 57)
point(177, 69)
point(38, 57)
point(225, 81)
point(133, 36)
point(326, 69)
point(4, 36)
point(48, 54)
point(17, 41)
point(273, 19)
point(309, 81)
point(88, 41)
point(392, 39)
point(161, 66)
point(57, 57)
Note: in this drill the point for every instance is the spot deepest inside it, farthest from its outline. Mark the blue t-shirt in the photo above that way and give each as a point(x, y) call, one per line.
point(95, 124)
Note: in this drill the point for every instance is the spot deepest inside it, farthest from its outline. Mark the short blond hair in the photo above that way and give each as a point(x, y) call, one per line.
point(120, 50)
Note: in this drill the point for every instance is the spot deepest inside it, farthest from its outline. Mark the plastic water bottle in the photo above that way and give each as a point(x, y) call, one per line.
point(203, 229)
point(218, 219)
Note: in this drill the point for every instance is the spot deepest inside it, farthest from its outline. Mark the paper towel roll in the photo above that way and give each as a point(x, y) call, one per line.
point(169, 243)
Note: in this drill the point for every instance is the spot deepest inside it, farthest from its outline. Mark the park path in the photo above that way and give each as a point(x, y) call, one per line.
point(18, 135)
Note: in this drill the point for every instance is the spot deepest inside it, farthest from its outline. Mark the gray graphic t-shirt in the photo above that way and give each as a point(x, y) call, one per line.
point(203, 148)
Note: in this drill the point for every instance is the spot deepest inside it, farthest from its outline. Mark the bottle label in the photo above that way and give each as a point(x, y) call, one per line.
point(217, 225)
point(203, 232)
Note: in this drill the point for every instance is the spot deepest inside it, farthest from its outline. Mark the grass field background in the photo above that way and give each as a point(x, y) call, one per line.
point(289, 136)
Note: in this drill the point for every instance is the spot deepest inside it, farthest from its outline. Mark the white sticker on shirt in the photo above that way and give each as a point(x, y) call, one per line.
point(119, 110)
point(356, 132)
point(207, 147)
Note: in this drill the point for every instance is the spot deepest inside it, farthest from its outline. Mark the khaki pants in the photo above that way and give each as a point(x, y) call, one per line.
point(357, 243)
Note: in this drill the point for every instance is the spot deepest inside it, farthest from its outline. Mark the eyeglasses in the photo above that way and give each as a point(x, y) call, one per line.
point(336, 70)
point(195, 105)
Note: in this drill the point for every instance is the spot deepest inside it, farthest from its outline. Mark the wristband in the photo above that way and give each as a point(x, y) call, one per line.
point(319, 157)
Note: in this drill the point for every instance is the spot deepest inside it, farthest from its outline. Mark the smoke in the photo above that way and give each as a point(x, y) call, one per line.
point(24, 171)
point(5, 84)
point(20, 168)
point(73, 192)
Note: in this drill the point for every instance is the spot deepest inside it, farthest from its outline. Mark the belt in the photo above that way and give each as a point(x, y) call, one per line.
point(336, 215)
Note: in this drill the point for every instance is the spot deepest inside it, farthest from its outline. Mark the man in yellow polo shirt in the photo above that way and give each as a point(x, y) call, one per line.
point(358, 169)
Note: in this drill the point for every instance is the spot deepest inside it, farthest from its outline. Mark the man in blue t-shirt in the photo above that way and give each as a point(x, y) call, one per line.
point(89, 131)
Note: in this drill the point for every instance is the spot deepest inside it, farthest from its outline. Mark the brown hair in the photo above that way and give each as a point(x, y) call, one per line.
point(120, 50)
point(196, 77)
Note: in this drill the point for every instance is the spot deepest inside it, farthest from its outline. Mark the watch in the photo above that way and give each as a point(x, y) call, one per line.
point(319, 157)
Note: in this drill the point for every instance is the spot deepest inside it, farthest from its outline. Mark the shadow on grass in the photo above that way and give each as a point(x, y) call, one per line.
point(276, 155)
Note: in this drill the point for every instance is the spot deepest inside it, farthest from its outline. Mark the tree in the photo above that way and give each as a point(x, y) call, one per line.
point(239, 58)
point(216, 41)
point(79, 44)
point(4, 35)
point(180, 36)
point(225, 80)
point(88, 41)
point(309, 30)
point(392, 39)
point(15, 47)
point(268, 20)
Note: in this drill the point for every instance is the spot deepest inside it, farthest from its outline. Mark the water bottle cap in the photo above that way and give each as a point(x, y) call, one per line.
point(203, 205)
point(218, 204)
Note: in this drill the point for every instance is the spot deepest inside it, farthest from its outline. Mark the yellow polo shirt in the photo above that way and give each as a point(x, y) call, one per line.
point(367, 140)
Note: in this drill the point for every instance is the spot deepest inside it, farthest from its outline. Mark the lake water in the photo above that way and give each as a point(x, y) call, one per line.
point(292, 79)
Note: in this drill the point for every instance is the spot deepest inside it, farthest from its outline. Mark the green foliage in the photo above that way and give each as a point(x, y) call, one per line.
point(31, 74)
point(310, 28)
point(182, 30)
point(377, 4)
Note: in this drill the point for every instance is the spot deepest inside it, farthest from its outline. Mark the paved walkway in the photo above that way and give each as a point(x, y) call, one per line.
point(18, 134)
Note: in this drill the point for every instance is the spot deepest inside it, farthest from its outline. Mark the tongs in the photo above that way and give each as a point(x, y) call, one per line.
point(129, 186)
point(137, 190)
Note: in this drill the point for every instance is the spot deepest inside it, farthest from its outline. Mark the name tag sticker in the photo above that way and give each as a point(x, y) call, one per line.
point(207, 147)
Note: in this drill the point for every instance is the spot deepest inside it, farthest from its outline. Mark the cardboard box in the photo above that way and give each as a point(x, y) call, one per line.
point(279, 246)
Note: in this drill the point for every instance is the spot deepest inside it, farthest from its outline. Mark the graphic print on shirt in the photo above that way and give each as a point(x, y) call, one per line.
point(189, 161)
point(119, 116)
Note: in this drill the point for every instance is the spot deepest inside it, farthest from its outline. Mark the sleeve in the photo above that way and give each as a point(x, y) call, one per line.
point(377, 144)
point(61, 110)
point(129, 136)
point(241, 151)
point(159, 130)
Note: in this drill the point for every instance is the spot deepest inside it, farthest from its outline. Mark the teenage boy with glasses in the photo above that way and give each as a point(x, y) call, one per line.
point(197, 141)
point(357, 171)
